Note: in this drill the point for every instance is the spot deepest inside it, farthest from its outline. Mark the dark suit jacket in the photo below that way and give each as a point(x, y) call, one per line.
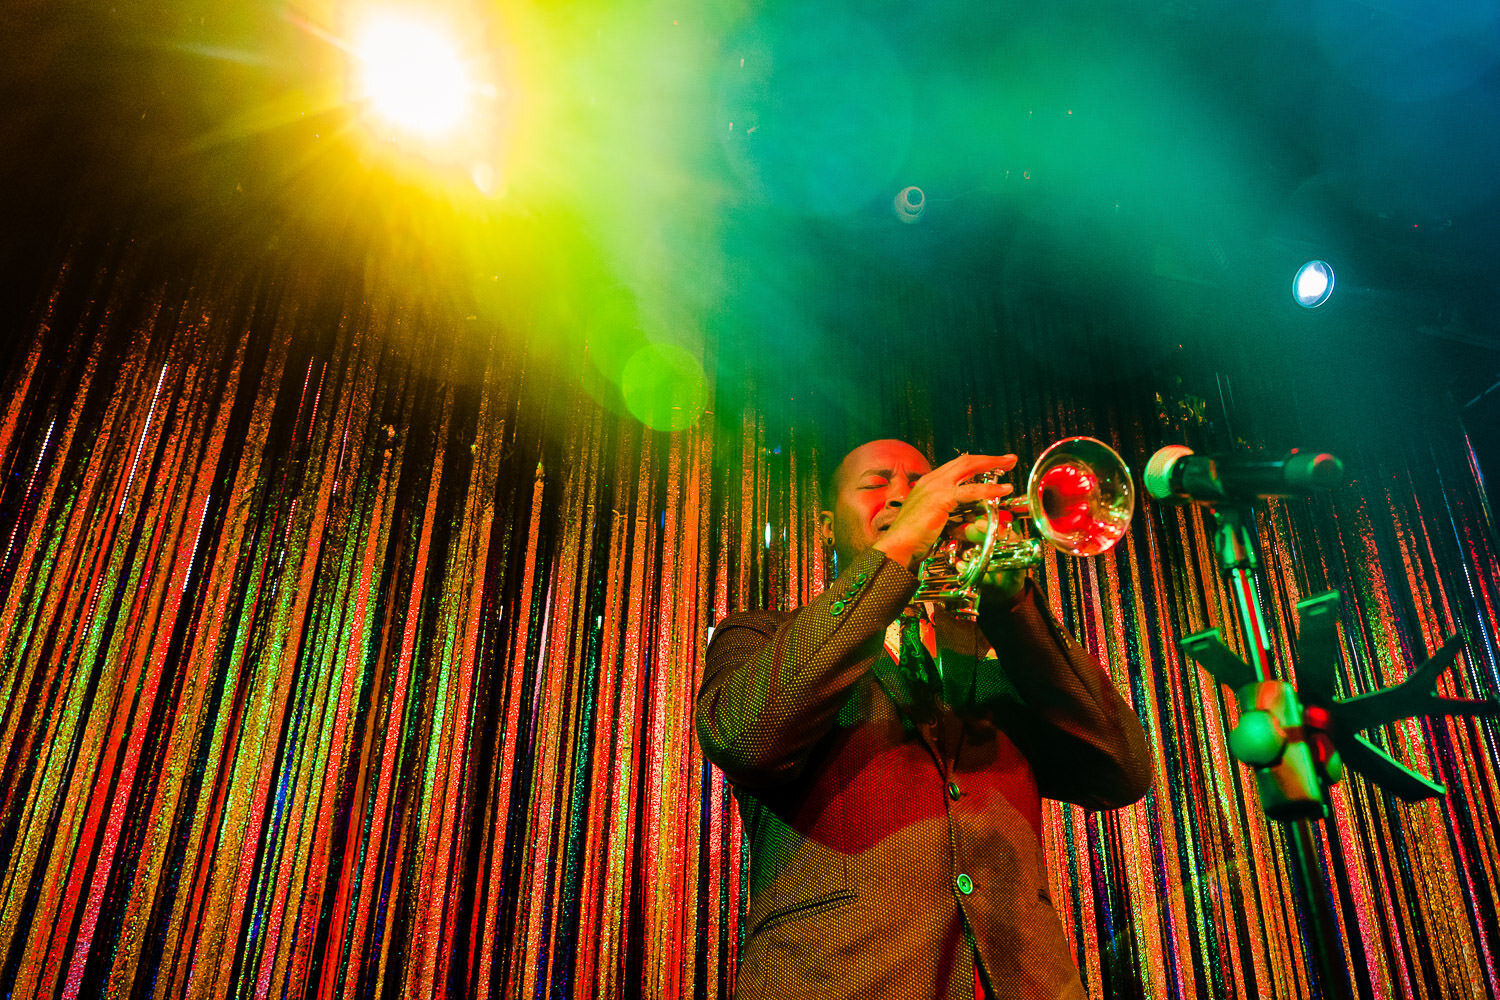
point(892, 836)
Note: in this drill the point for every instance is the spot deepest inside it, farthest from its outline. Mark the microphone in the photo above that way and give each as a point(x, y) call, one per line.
point(1175, 473)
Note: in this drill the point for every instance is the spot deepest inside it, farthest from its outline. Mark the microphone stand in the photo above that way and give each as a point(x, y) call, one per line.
point(1298, 742)
point(1291, 790)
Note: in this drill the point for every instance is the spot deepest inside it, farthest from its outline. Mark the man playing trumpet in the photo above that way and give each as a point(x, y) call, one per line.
point(889, 760)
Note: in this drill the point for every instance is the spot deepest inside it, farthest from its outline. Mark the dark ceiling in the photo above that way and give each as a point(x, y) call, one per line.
point(1203, 149)
point(1215, 139)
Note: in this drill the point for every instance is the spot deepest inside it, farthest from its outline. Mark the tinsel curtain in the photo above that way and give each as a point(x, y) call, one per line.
point(342, 657)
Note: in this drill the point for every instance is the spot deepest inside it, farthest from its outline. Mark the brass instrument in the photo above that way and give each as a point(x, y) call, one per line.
point(1079, 497)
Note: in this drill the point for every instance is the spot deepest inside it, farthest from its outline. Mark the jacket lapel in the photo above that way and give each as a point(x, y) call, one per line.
point(889, 676)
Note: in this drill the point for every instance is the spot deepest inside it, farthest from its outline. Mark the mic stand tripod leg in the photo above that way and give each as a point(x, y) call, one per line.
point(1315, 896)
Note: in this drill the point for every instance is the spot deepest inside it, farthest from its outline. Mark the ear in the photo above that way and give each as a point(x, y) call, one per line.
point(825, 527)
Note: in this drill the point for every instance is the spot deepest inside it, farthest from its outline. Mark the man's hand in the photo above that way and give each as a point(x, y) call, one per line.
point(926, 510)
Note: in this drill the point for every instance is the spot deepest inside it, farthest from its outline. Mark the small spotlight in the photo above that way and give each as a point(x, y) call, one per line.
point(1313, 284)
point(909, 204)
point(412, 75)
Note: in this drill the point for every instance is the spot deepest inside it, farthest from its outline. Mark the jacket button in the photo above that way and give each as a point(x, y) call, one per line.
point(838, 607)
point(965, 884)
point(953, 792)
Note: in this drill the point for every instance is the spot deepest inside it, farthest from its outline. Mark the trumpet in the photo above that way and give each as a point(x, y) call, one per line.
point(1079, 497)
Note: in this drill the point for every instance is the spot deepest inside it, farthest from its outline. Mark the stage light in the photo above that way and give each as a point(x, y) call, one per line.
point(412, 75)
point(1313, 284)
point(909, 204)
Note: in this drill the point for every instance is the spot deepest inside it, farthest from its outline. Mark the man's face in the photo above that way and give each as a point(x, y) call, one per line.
point(869, 487)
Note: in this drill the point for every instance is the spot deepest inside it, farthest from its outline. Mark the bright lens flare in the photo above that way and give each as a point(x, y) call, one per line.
point(413, 76)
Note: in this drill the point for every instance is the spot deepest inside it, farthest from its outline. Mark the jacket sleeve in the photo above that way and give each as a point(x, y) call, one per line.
point(1085, 743)
point(773, 685)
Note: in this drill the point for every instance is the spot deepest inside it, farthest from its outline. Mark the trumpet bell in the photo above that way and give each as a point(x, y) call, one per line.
point(1080, 496)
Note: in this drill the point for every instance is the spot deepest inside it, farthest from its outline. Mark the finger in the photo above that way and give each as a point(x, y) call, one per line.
point(970, 493)
point(976, 528)
point(968, 466)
